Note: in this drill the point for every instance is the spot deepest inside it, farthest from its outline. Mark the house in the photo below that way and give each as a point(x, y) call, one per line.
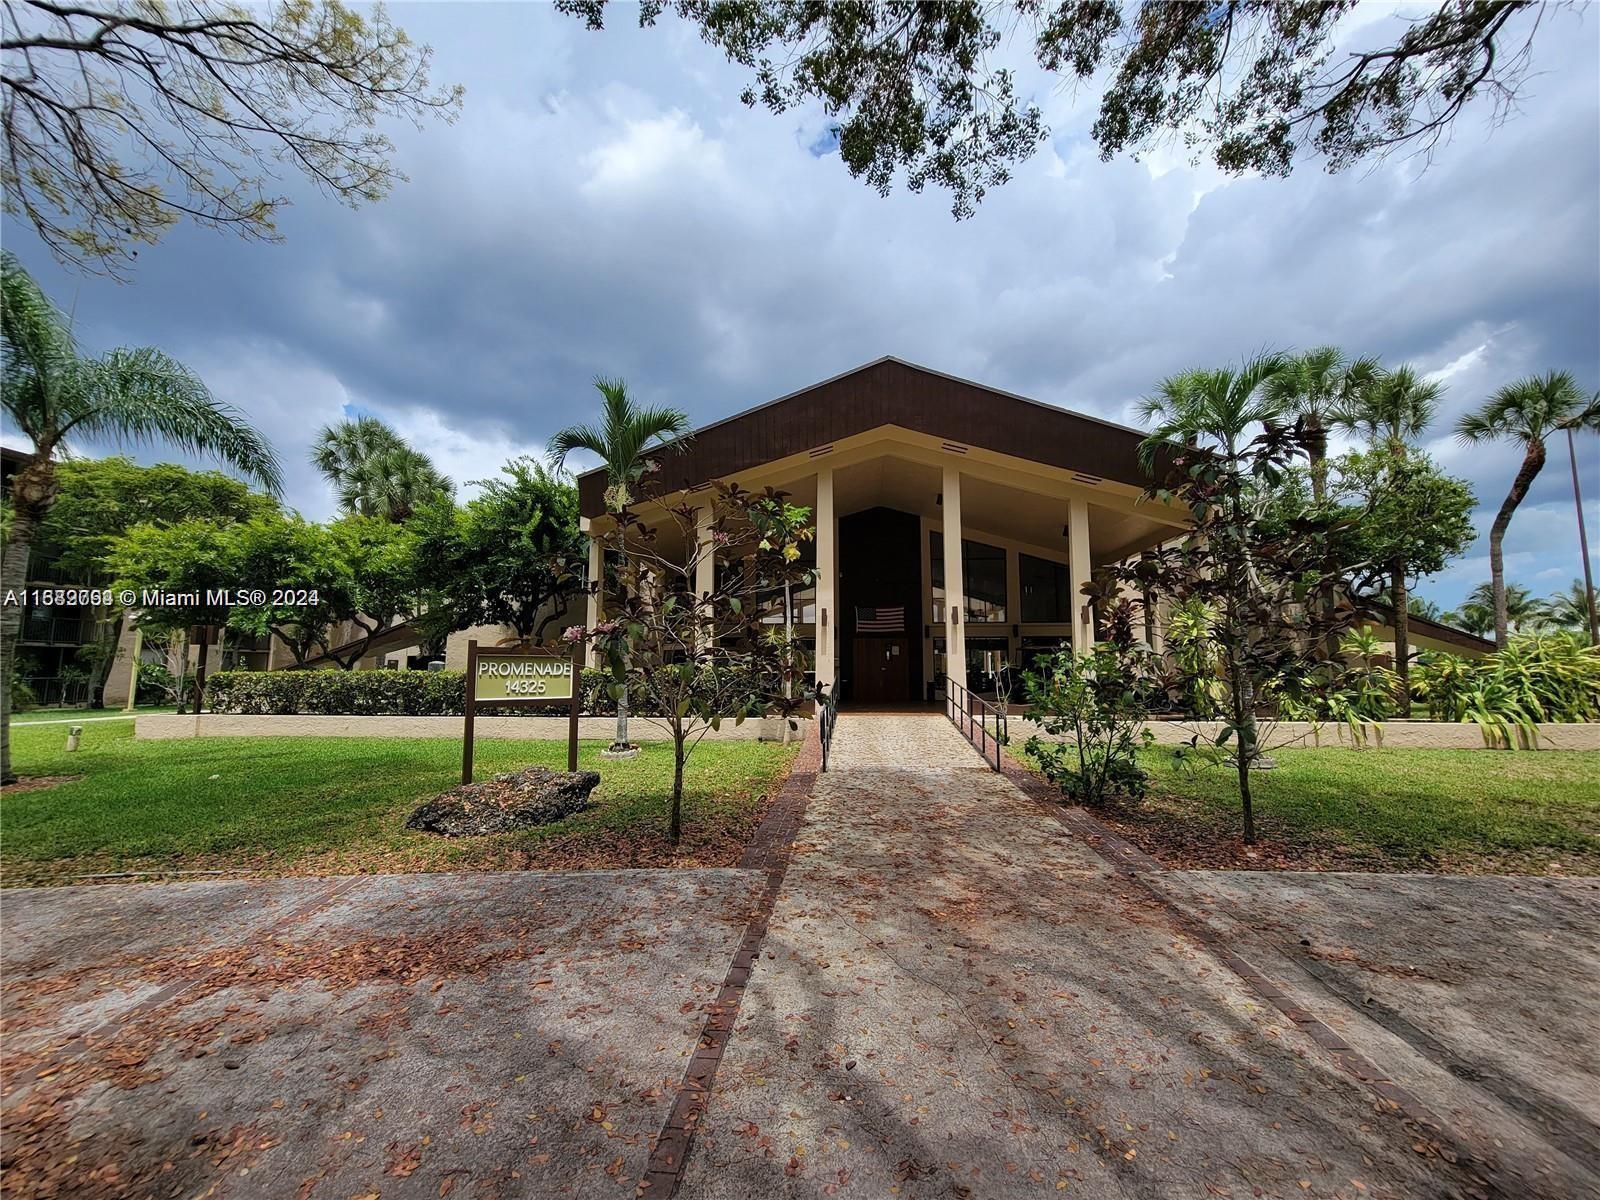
point(956, 523)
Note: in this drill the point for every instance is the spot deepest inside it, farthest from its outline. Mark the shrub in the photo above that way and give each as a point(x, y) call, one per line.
point(1097, 702)
point(1537, 678)
point(1362, 691)
point(377, 693)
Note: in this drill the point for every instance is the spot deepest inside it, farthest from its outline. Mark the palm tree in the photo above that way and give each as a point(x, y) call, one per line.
point(1568, 609)
point(374, 471)
point(1317, 387)
point(626, 433)
point(1524, 413)
point(1392, 412)
point(1476, 614)
point(1210, 407)
point(52, 393)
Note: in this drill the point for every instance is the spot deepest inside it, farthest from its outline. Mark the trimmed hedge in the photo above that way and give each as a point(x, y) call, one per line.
point(374, 694)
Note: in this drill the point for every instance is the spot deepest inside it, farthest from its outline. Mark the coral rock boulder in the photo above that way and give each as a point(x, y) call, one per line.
point(517, 800)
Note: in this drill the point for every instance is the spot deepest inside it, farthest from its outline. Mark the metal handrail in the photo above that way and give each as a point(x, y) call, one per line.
point(827, 718)
point(969, 714)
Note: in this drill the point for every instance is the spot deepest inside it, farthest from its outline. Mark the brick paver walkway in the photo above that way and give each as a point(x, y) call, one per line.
point(957, 997)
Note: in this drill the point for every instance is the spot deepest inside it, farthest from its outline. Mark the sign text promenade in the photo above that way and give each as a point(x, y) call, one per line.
point(508, 677)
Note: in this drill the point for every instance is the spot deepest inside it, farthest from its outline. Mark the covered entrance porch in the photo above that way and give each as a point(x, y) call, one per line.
point(901, 600)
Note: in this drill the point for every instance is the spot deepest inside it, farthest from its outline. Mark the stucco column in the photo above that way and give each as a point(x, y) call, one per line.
point(955, 590)
point(1078, 572)
point(705, 556)
point(594, 602)
point(827, 576)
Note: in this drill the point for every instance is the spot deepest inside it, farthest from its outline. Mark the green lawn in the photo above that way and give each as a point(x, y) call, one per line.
point(52, 716)
point(1450, 810)
point(338, 805)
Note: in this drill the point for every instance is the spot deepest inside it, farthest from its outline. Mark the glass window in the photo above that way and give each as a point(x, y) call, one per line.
point(1035, 648)
point(983, 571)
point(1045, 591)
point(985, 659)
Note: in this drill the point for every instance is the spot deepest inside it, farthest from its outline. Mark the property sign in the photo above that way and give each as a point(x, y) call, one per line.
point(515, 677)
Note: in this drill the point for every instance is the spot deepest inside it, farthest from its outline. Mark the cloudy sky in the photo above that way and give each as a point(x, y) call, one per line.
point(606, 205)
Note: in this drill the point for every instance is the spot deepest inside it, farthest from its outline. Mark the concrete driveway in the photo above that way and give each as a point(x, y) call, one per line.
point(953, 994)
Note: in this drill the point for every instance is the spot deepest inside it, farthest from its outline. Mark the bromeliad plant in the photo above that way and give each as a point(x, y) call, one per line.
point(699, 656)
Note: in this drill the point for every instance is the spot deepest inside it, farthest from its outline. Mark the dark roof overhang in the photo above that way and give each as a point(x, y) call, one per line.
point(892, 392)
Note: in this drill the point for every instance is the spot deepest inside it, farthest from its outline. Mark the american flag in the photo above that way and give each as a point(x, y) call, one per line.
point(881, 620)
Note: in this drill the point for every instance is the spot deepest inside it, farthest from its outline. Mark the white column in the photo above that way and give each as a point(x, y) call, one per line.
point(705, 556)
point(955, 590)
point(1078, 572)
point(594, 604)
point(827, 577)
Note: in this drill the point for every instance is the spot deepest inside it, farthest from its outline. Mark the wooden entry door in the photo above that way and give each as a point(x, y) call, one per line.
point(883, 670)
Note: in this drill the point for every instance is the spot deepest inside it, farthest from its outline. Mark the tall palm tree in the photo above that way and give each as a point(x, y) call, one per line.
point(53, 393)
point(1215, 408)
point(621, 441)
point(374, 471)
point(1525, 413)
point(1568, 609)
point(1318, 386)
point(1392, 412)
point(1477, 610)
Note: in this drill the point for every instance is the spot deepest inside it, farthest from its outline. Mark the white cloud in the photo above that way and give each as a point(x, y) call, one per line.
point(607, 205)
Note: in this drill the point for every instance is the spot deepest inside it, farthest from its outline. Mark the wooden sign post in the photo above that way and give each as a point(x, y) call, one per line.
point(509, 676)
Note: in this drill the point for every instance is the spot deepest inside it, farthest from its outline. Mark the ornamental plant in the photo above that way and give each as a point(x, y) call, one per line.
point(1537, 679)
point(1094, 706)
point(698, 656)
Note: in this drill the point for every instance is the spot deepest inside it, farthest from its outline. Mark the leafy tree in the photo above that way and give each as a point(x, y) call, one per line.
point(346, 583)
point(1094, 705)
point(121, 120)
point(361, 572)
point(698, 656)
point(622, 442)
point(1259, 83)
point(51, 392)
point(374, 471)
point(511, 556)
point(1393, 413)
point(1270, 585)
point(100, 499)
point(1414, 520)
point(1524, 413)
point(191, 561)
point(1320, 386)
